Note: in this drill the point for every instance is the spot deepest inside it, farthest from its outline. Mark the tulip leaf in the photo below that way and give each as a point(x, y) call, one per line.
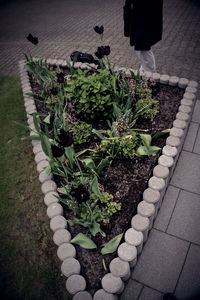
point(112, 245)
point(46, 146)
point(83, 241)
point(94, 187)
point(161, 133)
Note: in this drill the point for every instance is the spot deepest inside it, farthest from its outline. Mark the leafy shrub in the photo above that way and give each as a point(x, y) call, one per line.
point(103, 207)
point(148, 107)
point(120, 146)
point(91, 94)
point(81, 132)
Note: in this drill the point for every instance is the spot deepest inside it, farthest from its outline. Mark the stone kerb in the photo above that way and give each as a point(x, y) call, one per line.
point(141, 223)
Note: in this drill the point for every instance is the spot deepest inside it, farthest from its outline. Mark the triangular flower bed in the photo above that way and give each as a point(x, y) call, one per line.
point(137, 186)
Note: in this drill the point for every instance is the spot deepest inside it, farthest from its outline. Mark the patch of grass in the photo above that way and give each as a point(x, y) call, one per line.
point(29, 268)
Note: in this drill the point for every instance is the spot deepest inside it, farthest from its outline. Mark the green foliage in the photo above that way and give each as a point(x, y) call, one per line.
point(83, 241)
point(148, 108)
point(147, 149)
point(91, 94)
point(112, 245)
point(103, 207)
point(81, 132)
point(120, 146)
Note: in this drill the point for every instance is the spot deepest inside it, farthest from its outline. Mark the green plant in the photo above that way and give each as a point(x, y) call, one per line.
point(148, 108)
point(146, 149)
point(81, 132)
point(91, 94)
point(120, 146)
point(112, 245)
point(83, 241)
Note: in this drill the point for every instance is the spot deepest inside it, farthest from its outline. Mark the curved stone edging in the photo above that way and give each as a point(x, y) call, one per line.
point(147, 210)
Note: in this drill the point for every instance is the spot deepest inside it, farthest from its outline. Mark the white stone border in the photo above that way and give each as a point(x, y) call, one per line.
point(147, 210)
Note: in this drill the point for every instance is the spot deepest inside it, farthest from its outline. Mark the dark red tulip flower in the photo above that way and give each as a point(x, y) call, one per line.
point(54, 91)
point(57, 151)
point(99, 29)
point(65, 138)
point(60, 77)
point(106, 50)
point(80, 193)
point(100, 52)
point(32, 39)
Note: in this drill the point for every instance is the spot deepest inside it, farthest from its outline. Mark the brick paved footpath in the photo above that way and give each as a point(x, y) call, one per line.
point(170, 261)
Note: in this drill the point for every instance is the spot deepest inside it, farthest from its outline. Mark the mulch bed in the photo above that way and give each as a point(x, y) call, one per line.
point(126, 180)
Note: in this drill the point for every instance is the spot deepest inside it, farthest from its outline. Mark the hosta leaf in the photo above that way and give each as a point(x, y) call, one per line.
point(83, 241)
point(112, 245)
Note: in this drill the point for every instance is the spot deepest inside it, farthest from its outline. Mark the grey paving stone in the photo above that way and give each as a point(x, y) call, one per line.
point(159, 266)
point(190, 137)
point(196, 113)
point(150, 294)
point(189, 283)
point(185, 221)
point(164, 215)
point(132, 290)
point(187, 172)
point(197, 143)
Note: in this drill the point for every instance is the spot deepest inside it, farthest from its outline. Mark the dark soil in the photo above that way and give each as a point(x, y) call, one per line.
point(126, 180)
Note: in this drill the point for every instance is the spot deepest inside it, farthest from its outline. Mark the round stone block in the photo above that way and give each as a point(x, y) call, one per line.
point(182, 116)
point(179, 124)
point(193, 84)
point(30, 109)
point(186, 102)
point(83, 295)
point(112, 284)
point(190, 89)
point(29, 102)
point(48, 186)
point(134, 238)
point(145, 209)
point(77, 65)
point(161, 171)
point(61, 236)
point(32, 127)
point(140, 223)
point(103, 295)
point(30, 120)
point(58, 222)
point(50, 198)
point(164, 79)
point(42, 165)
point(184, 109)
point(156, 183)
point(189, 96)
point(120, 268)
point(173, 80)
point(75, 283)
point(177, 132)
point(65, 251)
point(166, 161)
point(70, 266)
point(43, 177)
point(151, 196)
point(54, 209)
point(147, 74)
point(35, 142)
point(127, 252)
point(173, 141)
point(183, 82)
point(169, 151)
point(39, 157)
point(156, 77)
